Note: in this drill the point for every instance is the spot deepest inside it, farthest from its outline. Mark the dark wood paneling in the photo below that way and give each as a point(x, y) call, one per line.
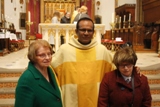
point(151, 10)
point(125, 10)
point(4, 46)
point(107, 35)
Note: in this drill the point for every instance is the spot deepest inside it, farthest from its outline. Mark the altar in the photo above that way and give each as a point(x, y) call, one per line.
point(66, 30)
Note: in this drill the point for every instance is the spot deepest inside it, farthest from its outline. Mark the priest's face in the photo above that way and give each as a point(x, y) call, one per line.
point(85, 32)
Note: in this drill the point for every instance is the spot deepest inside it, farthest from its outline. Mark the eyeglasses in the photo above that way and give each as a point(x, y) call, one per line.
point(126, 65)
point(84, 30)
point(44, 55)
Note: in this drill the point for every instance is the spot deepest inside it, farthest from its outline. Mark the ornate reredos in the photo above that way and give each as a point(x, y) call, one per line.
point(63, 6)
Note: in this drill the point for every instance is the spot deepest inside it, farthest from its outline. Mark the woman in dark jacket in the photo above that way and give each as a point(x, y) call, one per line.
point(37, 86)
point(123, 87)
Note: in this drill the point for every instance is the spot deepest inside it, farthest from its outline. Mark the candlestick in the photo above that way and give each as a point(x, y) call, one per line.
point(29, 26)
point(119, 22)
point(124, 18)
point(130, 17)
point(29, 16)
point(129, 24)
point(113, 28)
point(112, 17)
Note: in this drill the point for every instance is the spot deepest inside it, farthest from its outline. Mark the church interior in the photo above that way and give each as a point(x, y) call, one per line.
point(117, 22)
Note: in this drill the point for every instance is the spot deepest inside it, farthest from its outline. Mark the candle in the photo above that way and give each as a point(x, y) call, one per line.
point(45, 8)
point(124, 18)
point(49, 9)
point(119, 19)
point(60, 6)
point(116, 20)
point(112, 17)
point(2, 17)
point(130, 17)
point(29, 16)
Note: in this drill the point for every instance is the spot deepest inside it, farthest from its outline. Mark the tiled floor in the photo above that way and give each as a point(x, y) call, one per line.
point(14, 60)
point(148, 61)
point(19, 60)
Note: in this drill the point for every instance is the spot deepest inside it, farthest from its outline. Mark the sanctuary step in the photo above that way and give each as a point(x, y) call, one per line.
point(154, 83)
point(8, 82)
point(7, 102)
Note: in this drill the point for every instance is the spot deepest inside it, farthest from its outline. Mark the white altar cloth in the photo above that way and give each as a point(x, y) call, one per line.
point(12, 36)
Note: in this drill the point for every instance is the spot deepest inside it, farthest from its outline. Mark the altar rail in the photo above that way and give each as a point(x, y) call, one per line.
point(67, 30)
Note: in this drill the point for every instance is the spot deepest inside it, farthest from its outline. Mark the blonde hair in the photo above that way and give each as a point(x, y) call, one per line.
point(83, 9)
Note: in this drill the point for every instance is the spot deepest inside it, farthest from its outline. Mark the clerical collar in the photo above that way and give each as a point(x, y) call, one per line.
point(126, 78)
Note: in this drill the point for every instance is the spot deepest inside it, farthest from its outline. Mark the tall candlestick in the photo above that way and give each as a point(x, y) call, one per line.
point(130, 17)
point(124, 18)
point(119, 19)
point(29, 16)
point(112, 17)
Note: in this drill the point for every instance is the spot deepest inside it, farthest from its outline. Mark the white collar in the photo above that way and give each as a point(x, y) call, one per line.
point(125, 77)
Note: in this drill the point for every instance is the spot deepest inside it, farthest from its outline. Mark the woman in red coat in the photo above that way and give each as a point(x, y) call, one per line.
point(123, 87)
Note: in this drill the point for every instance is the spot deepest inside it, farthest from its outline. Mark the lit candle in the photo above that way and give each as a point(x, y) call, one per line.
point(130, 17)
point(119, 19)
point(112, 17)
point(29, 16)
point(124, 18)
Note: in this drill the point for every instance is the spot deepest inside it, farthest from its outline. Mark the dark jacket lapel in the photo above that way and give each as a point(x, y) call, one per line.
point(53, 79)
point(43, 82)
